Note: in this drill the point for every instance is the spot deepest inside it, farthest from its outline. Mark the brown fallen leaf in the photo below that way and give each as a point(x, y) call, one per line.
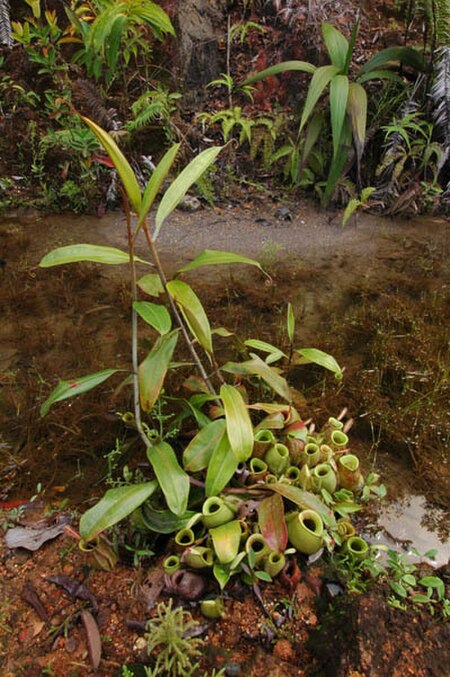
point(30, 595)
point(94, 641)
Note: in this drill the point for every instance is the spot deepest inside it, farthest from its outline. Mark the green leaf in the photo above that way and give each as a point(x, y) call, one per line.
point(197, 454)
point(226, 540)
point(77, 386)
point(304, 499)
point(319, 82)
point(155, 315)
point(178, 189)
point(311, 136)
point(274, 352)
point(221, 467)
point(256, 366)
point(409, 579)
point(380, 75)
point(420, 599)
point(290, 322)
point(407, 55)
point(174, 482)
point(151, 284)
point(164, 521)
point(282, 67)
point(339, 92)
point(152, 371)
point(434, 582)
point(319, 357)
point(155, 183)
point(193, 312)
point(120, 162)
point(350, 209)
point(272, 523)
point(73, 253)
point(211, 257)
point(239, 425)
point(337, 45)
point(115, 505)
point(399, 589)
point(357, 108)
point(222, 574)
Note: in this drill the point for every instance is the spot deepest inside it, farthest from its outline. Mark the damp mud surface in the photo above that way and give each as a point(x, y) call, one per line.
point(375, 294)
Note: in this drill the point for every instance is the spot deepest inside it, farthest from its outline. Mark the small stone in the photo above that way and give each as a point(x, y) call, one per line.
point(190, 204)
point(284, 651)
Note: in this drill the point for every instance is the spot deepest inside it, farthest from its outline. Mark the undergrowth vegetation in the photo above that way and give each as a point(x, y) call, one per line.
point(373, 118)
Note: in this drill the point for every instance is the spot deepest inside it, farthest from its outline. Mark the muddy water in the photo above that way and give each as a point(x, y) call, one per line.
point(74, 320)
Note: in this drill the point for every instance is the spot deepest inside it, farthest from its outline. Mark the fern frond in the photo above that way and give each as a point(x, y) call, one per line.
point(5, 24)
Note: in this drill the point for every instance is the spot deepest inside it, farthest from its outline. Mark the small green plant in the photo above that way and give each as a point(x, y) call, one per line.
point(168, 642)
point(357, 203)
point(347, 95)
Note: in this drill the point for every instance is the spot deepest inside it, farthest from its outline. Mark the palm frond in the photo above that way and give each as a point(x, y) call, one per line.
point(440, 96)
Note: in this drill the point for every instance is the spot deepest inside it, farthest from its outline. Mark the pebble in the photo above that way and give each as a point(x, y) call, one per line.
point(284, 651)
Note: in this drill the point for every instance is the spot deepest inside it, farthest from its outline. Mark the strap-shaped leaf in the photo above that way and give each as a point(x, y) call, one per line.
point(319, 82)
point(152, 371)
point(211, 257)
point(221, 467)
point(319, 357)
point(337, 45)
point(339, 93)
point(77, 386)
point(115, 505)
point(407, 55)
point(178, 189)
point(275, 353)
point(155, 315)
point(193, 312)
point(239, 425)
point(120, 163)
point(357, 107)
point(304, 499)
point(174, 482)
point(278, 68)
point(256, 366)
point(197, 454)
point(74, 253)
point(155, 183)
point(164, 521)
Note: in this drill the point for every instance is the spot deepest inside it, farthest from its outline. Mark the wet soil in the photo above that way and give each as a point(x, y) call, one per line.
point(375, 294)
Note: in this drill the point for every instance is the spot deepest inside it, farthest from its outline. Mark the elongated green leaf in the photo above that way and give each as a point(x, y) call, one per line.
point(211, 257)
point(256, 366)
point(282, 67)
point(407, 55)
point(74, 253)
point(151, 284)
point(120, 163)
point(380, 75)
point(290, 322)
point(337, 46)
point(77, 386)
point(319, 82)
point(197, 454)
point(274, 352)
point(304, 499)
point(155, 315)
point(339, 91)
point(152, 371)
point(178, 189)
point(221, 467)
point(272, 522)
point(311, 136)
point(164, 521)
point(115, 505)
point(357, 107)
point(338, 163)
point(174, 482)
point(239, 425)
point(319, 357)
point(193, 312)
point(155, 183)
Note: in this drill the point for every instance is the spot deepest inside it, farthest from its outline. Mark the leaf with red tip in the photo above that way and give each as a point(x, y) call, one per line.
point(272, 522)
